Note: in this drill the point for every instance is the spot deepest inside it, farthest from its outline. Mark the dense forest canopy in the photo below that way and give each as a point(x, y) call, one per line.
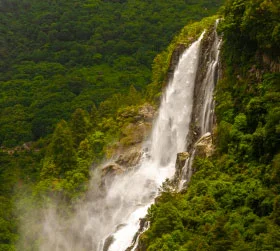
point(57, 56)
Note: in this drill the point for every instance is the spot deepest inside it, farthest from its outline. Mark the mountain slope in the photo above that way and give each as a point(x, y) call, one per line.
point(232, 201)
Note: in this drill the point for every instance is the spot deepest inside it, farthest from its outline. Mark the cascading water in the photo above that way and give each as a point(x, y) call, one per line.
point(168, 137)
point(203, 111)
point(110, 219)
point(208, 84)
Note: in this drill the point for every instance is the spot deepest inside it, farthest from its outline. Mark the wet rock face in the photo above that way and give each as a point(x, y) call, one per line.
point(130, 157)
point(140, 124)
point(143, 225)
point(181, 159)
point(175, 59)
point(180, 163)
point(147, 112)
point(112, 169)
point(199, 91)
point(108, 173)
point(204, 146)
point(135, 133)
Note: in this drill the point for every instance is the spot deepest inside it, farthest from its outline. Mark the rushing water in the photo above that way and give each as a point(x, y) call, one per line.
point(168, 137)
point(109, 220)
point(207, 111)
point(205, 104)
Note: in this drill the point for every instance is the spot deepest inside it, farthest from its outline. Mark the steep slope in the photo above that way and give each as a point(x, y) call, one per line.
point(232, 201)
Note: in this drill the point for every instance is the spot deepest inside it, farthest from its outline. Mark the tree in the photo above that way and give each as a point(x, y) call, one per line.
point(80, 125)
point(61, 148)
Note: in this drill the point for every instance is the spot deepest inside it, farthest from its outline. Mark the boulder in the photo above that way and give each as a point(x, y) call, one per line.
point(204, 147)
point(112, 169)
point(130, 157)
point(180, 163)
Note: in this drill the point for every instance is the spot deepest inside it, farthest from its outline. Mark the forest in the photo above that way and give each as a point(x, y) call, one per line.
point(72, 70)
point(57, 56)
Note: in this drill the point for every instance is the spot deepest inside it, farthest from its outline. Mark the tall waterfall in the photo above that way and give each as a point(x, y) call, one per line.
point(208, 85)
point(109, 223)
point(168, 137)
point(203, 104)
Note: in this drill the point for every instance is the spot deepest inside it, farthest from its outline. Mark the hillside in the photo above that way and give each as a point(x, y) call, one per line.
point(232, 201)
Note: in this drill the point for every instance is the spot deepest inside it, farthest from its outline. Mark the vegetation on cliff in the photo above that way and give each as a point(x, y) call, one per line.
point(232, 201)
point(165, 62)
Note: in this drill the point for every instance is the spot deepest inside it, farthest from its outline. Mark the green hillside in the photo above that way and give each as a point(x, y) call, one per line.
point(233, 201)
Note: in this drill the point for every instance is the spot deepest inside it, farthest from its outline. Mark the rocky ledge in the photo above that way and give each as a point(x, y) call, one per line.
point(204, 147)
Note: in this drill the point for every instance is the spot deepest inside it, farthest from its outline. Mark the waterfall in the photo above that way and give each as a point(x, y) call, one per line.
point(208, 85)
point(172, 126)
point(109, 220)
point(203, 107)
point(168, 137)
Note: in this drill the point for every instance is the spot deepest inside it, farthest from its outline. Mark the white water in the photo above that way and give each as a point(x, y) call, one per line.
point(207, 107)
point(206, 119)
point(172, 126)
point(110, 222)
point(168, 137)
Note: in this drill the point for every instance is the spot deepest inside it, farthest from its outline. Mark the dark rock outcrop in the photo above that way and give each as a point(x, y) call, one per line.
point(109, 240)
point(206, 53)
point(112, 169)
point(180, 163)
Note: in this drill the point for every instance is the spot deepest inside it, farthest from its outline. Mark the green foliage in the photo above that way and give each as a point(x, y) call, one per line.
point(61, 149)
point(232, 200)
point(81, 62)
point(57, 56)
point(162, 61)
point(80, 125)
